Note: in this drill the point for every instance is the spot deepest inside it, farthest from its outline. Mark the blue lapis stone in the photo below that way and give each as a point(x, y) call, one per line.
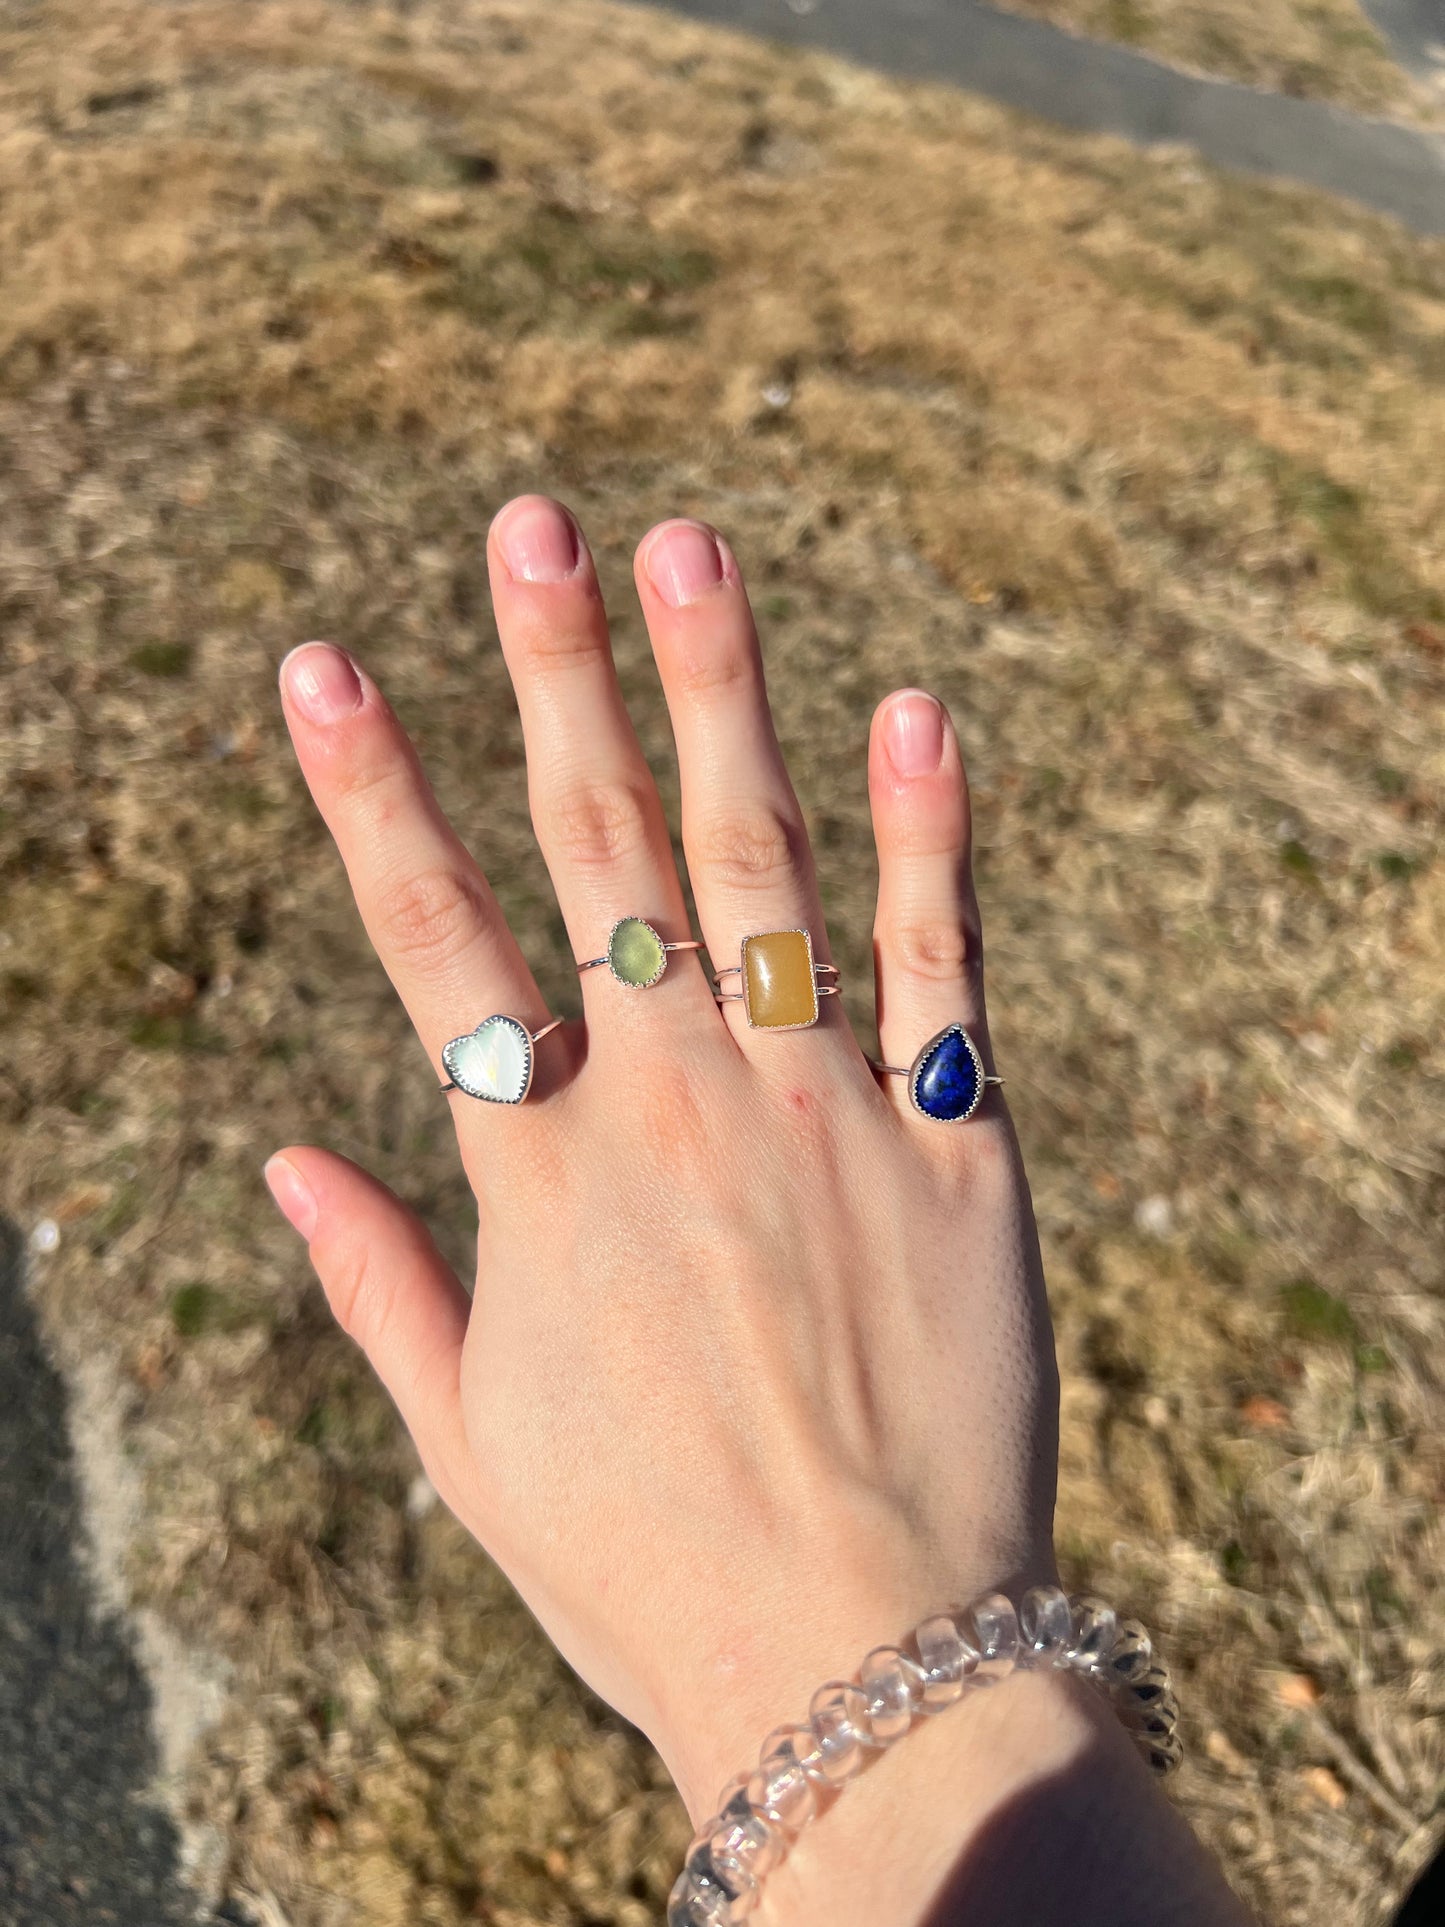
point(949, 1079)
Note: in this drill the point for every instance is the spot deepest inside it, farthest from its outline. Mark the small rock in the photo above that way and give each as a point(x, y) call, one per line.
point(1298, 1689)
point(421, 1497)
point(1324, 1786)
point(1264, 1414)
point(1154, 1217)
point(1222, 1750)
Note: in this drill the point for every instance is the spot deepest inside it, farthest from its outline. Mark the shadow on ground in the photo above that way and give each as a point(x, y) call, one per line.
point(79, 1840)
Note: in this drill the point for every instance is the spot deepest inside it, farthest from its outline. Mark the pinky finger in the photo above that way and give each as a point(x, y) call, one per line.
point(928, 947)
point(392, 1291)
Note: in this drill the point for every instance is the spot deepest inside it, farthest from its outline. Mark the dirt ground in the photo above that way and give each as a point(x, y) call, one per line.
point(1319, 49)
point(1137, 466)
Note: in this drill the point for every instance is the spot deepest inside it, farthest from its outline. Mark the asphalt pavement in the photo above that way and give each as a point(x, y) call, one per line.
point(82, 1841)
point(1095, 88)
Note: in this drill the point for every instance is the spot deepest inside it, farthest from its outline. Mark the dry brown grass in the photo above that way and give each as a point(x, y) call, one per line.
point(1323, 49)
point(1139, 467)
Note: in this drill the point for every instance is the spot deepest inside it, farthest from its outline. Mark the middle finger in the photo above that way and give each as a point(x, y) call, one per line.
point(747, 847)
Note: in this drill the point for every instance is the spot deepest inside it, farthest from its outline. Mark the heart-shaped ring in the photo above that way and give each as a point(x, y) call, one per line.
point(495, 1061)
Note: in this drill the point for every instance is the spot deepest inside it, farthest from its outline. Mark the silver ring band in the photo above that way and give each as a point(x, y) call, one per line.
point(596, 963)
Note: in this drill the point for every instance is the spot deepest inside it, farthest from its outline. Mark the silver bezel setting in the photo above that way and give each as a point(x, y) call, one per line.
point(657, 975)
point(755, 937)
point(919, 1062)
point(490, 1097)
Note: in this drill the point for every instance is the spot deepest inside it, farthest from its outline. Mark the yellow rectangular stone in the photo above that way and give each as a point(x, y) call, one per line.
point(780, 990)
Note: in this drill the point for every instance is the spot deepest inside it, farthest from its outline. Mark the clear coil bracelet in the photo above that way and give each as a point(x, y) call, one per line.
point(760, 1813)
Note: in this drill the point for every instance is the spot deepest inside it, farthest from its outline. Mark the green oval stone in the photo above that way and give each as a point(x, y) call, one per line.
point(635, 954)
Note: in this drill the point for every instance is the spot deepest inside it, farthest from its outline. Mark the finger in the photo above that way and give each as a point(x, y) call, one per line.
point(747, 848)
point(429, 911)
point(595, 806)
point(927, 938)
point(392, 1292)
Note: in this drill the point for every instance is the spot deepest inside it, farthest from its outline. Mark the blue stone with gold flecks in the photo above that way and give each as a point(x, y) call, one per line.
point(946, 1081)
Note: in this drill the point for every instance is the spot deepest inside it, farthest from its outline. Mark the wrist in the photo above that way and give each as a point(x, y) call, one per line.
point(1023, 1798)
point(1028, 1803)
point(710, 1712)
point(888, 1848)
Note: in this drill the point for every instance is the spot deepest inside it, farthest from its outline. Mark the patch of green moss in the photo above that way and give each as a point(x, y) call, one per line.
point(1316, 1315)
point(183, 1033)
point(317, 1423)
point(198, 1308)
point(242, 802)
point(1128, 22)
point(1295, 858)
point(564, 272)
point(1365, 311)
point(124, 1208)
point(165, 659)
point(1384, 1595)
point(1347, 536)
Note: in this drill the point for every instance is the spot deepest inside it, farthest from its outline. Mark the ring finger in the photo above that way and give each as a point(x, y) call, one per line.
point(597, 812)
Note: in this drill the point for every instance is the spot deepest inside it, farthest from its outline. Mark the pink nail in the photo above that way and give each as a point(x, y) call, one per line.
point(683, 562)
point(322, 682)
point(913, 732)
point(538, 541)
point(294, 1197)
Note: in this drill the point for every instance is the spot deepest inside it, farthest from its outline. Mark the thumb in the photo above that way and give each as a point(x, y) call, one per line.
point(392, 1291)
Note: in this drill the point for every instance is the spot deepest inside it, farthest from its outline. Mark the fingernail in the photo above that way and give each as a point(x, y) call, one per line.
point(322, 682)
point(294, 1197)
point(683, 563)
point(538, 541)
point(913, 732)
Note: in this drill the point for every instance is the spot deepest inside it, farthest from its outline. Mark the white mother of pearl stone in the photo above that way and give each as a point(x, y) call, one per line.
point(494, 1062)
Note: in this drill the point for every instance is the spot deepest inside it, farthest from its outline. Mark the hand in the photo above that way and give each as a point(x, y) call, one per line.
point(758, 1369)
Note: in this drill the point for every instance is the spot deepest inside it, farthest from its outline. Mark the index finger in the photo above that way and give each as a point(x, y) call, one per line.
point(429, 911)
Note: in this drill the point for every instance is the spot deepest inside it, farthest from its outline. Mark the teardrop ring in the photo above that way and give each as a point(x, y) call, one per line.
point(947, 1080)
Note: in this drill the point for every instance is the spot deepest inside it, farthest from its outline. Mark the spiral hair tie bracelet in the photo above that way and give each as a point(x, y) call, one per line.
point(760, 1813)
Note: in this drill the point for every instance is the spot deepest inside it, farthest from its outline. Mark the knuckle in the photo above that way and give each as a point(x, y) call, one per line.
point(370, 778)
point(936, 949)
point(745, 849)
point(984, 1154)
point(707, 666)
point(357, 1297)
point(596, 824)
point(432, 916)
point(675, 1124)
point(579, 641)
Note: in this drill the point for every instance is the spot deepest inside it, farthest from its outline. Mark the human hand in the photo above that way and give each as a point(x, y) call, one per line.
point(758, 1369)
